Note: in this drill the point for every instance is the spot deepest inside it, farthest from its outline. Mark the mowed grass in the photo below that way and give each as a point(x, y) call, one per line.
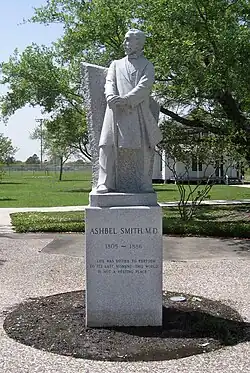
point(169, 192)
point(28, 189)
point(36, 189)
point(220, 221)
point(70, 221)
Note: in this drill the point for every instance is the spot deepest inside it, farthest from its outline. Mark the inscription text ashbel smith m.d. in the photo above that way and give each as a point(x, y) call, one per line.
point(132, 230)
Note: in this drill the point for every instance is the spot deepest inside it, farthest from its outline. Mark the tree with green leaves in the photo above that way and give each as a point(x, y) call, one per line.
point(63, 136)
point(183, 147)
point(59, 152)
point(7, 150)
point(33, 159)
point(200, 50)
point(36, 77)
point(70, 125)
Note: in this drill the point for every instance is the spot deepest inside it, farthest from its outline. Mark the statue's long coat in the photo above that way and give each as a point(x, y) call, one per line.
point(134, 80)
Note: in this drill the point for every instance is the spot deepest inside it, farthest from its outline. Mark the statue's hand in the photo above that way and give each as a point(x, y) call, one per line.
point(115, 100)
point(122, 102)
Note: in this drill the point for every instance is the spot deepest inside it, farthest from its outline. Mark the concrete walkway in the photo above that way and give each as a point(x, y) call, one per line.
point(242, 185)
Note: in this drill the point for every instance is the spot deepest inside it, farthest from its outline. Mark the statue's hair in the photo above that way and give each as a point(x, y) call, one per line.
point(139, 35)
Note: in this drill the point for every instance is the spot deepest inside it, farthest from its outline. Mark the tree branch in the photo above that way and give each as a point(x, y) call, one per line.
point(231, 109)
point(196, 123)
point(232, 4)
point(204, 19)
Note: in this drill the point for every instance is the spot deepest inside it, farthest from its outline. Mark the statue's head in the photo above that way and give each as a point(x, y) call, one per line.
point(134, 41)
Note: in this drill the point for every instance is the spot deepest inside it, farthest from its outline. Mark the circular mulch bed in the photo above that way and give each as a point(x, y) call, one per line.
point(57, 324)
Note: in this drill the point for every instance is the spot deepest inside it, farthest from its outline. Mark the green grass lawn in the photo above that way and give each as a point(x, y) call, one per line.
point(220, 221)
point(169, 192)
point(28, 189)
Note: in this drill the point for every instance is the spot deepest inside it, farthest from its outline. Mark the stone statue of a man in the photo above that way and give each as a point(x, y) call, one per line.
point(129, 127)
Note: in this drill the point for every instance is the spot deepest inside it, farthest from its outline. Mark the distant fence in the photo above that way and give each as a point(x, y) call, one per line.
point(46, 168)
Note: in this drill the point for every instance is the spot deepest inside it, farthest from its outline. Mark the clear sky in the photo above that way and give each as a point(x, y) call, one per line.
point(17, 35)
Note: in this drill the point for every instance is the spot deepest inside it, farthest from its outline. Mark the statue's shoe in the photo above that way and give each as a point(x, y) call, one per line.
point(102, 189)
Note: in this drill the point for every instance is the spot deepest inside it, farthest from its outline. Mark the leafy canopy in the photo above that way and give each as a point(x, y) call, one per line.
point(7, 150)
point(200, 49)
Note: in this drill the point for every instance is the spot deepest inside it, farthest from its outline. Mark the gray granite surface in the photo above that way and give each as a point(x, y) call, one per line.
point(124, 261)
point(122, 199)
point(93, 80)
point(26, 270)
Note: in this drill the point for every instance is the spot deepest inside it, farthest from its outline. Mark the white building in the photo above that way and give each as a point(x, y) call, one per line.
point(167, 170)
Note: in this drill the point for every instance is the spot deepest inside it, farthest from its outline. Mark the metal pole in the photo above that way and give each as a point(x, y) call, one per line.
point(40, 120)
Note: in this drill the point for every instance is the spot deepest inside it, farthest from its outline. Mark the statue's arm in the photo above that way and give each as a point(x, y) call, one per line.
point(110, 85)
point(142, 90)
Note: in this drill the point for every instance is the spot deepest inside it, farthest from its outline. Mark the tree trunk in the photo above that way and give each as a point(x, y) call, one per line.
point(61, 168)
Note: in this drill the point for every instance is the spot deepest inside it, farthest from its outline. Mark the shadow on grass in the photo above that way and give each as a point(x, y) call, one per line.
point(213, 213)
point(161, 189)
point(70, 180)
point(175, 225)
point(80, 190)
point(11, 183)
point(7, 199)
point(242, 208)
point(210, 213)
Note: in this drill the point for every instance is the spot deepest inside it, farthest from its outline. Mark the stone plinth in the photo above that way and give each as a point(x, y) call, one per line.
point(124, 266)
point(122, 199)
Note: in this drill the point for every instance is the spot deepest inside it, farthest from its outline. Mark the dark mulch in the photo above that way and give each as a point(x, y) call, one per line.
point(57, 324)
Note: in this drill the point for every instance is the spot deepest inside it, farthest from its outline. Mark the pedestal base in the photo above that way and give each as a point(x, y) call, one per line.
point(122, 199)
point(124, 266)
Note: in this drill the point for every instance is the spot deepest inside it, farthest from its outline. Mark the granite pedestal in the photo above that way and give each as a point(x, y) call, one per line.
point(122, 199)
point(124, 266)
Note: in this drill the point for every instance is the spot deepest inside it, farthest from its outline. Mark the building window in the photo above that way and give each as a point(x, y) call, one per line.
point(194, 164)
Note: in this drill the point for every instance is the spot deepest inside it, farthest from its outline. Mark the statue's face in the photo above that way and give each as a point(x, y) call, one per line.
point(131, 44)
